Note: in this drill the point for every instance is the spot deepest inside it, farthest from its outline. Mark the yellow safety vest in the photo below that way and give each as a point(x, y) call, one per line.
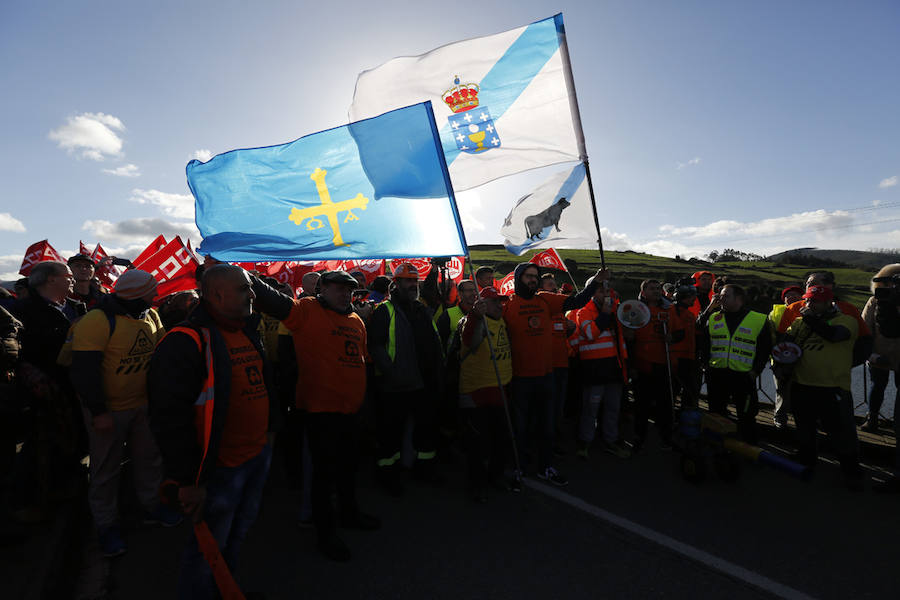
point(735, 352)
point(392, 331)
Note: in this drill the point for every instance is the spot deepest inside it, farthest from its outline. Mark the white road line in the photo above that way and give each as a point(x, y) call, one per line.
point(705, 558)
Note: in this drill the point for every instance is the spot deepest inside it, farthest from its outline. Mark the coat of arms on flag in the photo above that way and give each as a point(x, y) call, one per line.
point(471, 124)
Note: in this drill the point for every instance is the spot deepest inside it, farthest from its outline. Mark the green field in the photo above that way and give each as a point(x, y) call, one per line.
point(763, 280)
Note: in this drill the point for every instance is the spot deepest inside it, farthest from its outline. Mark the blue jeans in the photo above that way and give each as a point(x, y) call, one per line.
point(533, 409)
point(233, 496)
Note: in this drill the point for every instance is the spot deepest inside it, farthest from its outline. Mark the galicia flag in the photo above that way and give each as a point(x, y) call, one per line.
point(504, 103)
point(377, 188)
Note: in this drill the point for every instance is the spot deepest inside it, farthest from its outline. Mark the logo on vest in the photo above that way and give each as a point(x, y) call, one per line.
point(254, 377)
point(142, 344)
point(351, 348)
point(534, 322)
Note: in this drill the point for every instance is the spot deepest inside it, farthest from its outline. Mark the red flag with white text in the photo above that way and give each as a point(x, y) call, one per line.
point(82, 249)
point(106, 273)
point(155, 246)
point(173, 267)
point(508, 285)
point(550, 259)
point(38, 252)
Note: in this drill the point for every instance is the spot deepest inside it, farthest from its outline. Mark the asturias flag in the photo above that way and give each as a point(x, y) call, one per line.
point(504, 103)
point(377, 188)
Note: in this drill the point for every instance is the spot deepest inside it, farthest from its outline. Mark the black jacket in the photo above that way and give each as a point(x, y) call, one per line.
point(418, 363)
point(45, 330)
point(174, 381)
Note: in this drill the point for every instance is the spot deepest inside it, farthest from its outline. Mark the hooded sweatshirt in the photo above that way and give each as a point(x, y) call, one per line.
point(530, 327)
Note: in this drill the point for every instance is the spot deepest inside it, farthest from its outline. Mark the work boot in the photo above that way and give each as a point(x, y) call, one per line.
point(333, 547)
point(111, 542)
point(871, 425)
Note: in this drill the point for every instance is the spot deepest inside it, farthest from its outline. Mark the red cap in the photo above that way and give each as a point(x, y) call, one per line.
point(489, 292)
point(819, 293)
point(793, 288)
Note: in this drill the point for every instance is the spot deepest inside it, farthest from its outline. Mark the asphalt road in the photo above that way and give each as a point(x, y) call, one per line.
point(813, 537)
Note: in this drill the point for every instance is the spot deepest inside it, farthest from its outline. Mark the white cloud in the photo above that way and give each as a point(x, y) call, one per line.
point(615, 241)
point(889, 182)
point(134, 232)
point(128, 170)
point(202, 155)
point(9, 266)
point(92, 134)
point(10, 223)
point(812, 220)
point(694, 161)
point(179, 206)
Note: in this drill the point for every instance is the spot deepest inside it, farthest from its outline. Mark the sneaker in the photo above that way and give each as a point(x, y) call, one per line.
point(617, 450)
point(515, 485)
point(163, 515)
point(553, 476)
point(870, 426)
point(111, 542)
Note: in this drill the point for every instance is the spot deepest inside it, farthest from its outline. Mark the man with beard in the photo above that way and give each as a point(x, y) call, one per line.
point(528, 316)
point(406, 349)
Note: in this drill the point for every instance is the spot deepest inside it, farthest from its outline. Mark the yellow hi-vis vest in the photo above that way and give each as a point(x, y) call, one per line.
point(392, 332)
point(735, 352)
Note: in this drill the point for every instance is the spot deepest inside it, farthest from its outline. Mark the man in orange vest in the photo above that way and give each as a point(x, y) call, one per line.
point(602, 354)
point(651, 373)
point(213, 417)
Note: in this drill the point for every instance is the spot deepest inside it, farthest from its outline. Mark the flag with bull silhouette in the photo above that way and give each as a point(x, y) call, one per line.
point(559, 213)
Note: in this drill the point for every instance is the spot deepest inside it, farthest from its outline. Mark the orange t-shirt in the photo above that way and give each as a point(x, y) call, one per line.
point(792, 313)
point(331, 357)
point(649, 342)
point(247, 419)
point(530, 330)
point(687, 347)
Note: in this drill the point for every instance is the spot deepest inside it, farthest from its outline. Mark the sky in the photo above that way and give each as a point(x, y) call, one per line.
point(760, 126)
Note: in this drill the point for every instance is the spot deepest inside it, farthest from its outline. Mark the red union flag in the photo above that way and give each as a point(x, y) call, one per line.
point(508, 285)
point(371, 268)
point(38, 252)
point(549, 259)
point(173, 267)
point(455, 266)
point(107, 274)
point(155, 246)
point(82, 249)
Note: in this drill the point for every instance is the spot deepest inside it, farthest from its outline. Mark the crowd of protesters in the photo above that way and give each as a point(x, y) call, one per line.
point(202, 392)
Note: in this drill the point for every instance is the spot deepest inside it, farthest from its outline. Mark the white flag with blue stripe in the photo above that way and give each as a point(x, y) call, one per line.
point(557, 214)
point(503, 103)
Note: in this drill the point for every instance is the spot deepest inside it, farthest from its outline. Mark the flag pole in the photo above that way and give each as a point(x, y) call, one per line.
point(576, 119)
point(465, 246)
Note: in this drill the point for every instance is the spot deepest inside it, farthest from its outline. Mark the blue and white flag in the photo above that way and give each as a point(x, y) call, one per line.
point(378, 188)
point(504, 103)
point(557, 214)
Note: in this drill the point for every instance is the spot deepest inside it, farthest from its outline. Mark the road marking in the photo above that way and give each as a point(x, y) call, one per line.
point(705, 558)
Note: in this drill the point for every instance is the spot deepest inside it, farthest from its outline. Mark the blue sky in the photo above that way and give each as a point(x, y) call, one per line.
point(708, 124)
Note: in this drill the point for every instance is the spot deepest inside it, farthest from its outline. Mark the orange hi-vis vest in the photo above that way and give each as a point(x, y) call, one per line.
point(594, 344)
point(206, 401)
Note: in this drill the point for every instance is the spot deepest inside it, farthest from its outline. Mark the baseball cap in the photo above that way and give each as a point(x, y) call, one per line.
point(819, 293)
point(489, 292)
point(342, 277)
point(406, 271)
point(793, 288)
point(81, 257)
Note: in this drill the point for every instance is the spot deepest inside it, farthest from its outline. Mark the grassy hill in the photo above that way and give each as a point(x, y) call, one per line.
point(853, 258)
point(764, 280)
